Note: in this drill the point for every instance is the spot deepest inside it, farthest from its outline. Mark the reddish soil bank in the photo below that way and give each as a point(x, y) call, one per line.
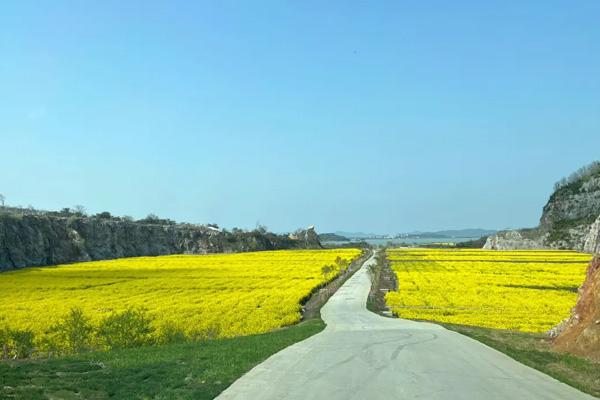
point(582, 332)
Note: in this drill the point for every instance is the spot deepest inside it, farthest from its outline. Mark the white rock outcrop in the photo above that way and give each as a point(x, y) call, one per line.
point(592, 239)
point(512, 240)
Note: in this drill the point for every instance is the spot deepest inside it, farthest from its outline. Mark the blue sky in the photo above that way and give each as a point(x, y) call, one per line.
point(373, 116)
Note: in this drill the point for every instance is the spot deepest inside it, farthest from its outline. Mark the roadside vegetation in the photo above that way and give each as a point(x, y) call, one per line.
point(188, 370)
point(311, 309)
point(383, 280)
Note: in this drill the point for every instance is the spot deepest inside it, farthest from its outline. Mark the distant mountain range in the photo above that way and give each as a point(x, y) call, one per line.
point(451, 233)
point(357, 235)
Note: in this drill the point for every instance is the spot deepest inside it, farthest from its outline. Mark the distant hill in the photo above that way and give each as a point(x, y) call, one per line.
point(332, 237)
point(358, 235)
point(453, 233)
point(446, 234)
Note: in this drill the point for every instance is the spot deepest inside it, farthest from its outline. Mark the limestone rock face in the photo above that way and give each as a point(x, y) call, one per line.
point(29, 240)
point(570, 219)
point(36, 240)
point(575, 202)
point(513, 240)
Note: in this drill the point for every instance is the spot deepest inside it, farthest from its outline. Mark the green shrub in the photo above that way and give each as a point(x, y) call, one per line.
point(342, 264)
point(169, 333)
point(16, 343)
point(129, 328)
point(4, 342)
point(326, 270)
point(22, 343)
point(212, 331)
point(74, 333)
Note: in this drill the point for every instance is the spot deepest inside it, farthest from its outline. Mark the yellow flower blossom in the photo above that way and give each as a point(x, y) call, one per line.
point(524, 290)
point(220, 295)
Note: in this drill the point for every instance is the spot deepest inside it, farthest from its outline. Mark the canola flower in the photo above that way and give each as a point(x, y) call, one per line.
point(526, 290)
point(220, 295)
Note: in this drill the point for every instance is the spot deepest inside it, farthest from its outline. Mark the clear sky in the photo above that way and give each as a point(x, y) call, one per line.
point(372, 116)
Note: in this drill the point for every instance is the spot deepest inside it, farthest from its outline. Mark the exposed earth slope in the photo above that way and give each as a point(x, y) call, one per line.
point(581, 334)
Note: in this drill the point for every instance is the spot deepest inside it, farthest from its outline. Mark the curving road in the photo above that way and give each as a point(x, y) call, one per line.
point(361, 355)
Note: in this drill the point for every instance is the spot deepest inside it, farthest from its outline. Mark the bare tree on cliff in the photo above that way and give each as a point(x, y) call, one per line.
point(2, 199)
point(585, 171)
point(79, 209)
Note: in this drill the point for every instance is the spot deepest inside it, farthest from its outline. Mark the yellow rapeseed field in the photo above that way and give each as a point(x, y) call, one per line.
point(527, 290)
point(220, 295)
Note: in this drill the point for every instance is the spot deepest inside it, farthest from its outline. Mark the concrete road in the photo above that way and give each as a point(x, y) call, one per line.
point(361, 355)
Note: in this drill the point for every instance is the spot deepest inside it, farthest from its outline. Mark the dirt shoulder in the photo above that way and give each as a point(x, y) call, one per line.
point(312, 307)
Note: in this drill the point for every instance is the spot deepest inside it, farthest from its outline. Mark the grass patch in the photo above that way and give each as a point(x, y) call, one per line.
point(534, 350)
point(190, 370)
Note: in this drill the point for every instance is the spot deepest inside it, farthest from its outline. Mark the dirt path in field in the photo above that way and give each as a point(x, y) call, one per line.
point(361, 355)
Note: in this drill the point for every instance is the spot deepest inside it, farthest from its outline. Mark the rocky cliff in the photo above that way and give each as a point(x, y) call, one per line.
point(44, 239)
point(570, 219)
point(581, 333)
